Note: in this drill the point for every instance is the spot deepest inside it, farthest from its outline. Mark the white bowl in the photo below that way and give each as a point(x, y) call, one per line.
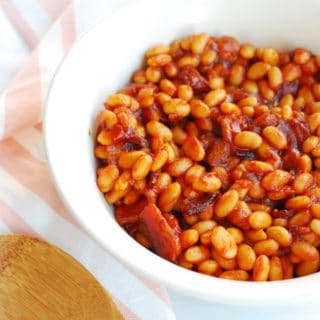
point(101, 63)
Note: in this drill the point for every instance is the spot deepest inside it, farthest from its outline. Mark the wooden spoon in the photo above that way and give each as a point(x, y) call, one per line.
point(39, 281)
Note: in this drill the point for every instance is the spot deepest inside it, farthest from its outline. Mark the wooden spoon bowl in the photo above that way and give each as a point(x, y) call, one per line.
point(39, 281)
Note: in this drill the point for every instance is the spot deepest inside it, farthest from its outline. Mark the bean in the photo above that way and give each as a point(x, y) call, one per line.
point(304, 250)
point(207, 183)
point(280, 234)
point(179, 166)
point(169, 197)
point(189, 238)
point(208, 267)
point(261, 268)
point(107, 177)
point(193, 148)
point(276, 272)
point(142, 167)
point(197, 254)
point(223, 242)
point(246, 257)
point(275, 137)
point(235, 275)
point(248, 139)
point(267, 247)
point(226, 203)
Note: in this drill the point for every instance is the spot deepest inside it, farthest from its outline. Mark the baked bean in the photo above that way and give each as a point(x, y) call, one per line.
point(287, 267)
point(197, 254)
point(275, 77)
point(107, 177)
point(226, 264)
point(270, 56)
point(258, 70)
point(179, 135)
point(179, 166)
point(207, 183)
point(169, 197)
point(104, 138)
point(131, 197)
point(199, 42)
point(267, 247)
point(265, 91)
point(193, 148)
point(314, 121)
point(291, 72)
point(160, 49)
point(275, 180)
point(142, 167)
point(205, 238)
point(189, 238)
point(156, 128)
point(246, 257)
point(275, 137)
point(250, 86)
point(216, 83)
point(184, 263)
point(208, 267)
point(237, 234)
point(146, 97)
point(261, 268)
point(122, 183)
point(301, 218)
point(307, 267)
point(260, 220)
point(194, 173)
point(226, 203)
point(304, 250)
point(298, 202)
point(163, 180)
point(204, 226)
point(237, 74)
point(215, 97)
point(247, 51)
point(139, 77)
point(208, 57)
point(127, 159)
point(315, 226)
point(235, 275)
point(223, 242)
point(228, 108)
point(114, 196)
point(276, 272)
point(302, 182)
point(301, 56)
point(189, 60)
point(185, 92)
point(159, 160)
point(159, 60)
point(199, 109)
point(152, 75)
point(167, 87)
point(280, 234)
point(248, 139)
point(178, 107)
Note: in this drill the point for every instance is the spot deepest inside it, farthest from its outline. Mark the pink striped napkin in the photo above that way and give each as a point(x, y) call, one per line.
point(29, 203)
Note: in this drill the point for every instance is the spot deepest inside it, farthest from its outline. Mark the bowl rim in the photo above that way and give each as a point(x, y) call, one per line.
point(198, 285)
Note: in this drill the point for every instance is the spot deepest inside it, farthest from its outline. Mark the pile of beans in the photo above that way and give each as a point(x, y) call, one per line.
point(211, 157)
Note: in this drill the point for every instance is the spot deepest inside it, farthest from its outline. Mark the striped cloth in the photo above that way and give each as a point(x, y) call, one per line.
point(36, 34)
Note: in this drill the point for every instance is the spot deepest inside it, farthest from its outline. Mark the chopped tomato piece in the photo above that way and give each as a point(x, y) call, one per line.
point(163, 237)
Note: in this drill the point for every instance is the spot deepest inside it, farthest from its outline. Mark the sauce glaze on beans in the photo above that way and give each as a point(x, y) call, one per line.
point(211, 157)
